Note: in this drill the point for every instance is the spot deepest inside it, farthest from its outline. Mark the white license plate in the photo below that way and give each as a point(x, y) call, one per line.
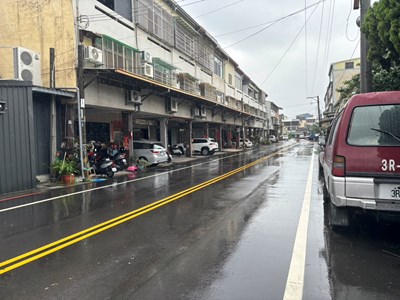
point(389, 191)
point(114, 169)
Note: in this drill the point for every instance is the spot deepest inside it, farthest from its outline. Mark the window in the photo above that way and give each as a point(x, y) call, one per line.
point(184, 41)
point(164, 72)
point(117, 54)
point(230, 79)
point(108, 3)
point(375, 126)
point(333, 130)
point(156, 20)
point(349, 65)
point(204, 53)
point(238, 82)
point(218, 66)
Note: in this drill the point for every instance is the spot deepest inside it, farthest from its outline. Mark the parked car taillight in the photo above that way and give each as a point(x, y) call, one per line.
point(339, 166)
point(155, 151)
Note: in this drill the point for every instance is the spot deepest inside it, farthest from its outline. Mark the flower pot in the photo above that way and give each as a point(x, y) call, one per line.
point(68, 179)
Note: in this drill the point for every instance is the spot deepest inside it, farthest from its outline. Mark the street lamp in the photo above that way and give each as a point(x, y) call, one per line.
point(319, 114)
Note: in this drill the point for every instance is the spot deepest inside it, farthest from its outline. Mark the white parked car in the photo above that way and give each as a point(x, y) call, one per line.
point(273, 139)
point(151, 151)
point(247, 143)
point(204, 146)
point(285, 137)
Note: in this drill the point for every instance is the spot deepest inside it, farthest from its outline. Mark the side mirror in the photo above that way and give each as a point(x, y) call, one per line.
point(321, 142)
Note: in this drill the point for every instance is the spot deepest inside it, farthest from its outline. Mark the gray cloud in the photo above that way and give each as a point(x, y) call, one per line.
point(288, 85)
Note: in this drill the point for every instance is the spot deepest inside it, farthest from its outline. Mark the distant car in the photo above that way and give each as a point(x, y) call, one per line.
point(361, 159)
point(247, 143)
point(151, 151)
point(313, 137)
point(285, 137)
point(273, 139)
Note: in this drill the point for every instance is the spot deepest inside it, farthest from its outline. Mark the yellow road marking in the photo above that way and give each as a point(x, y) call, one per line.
point(38, 253)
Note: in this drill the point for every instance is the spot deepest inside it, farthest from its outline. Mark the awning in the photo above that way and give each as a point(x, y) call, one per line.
point(186, 26)
point(57, 92)
point(163, 63)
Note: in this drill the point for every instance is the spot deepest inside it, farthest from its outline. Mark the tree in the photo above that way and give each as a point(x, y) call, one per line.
point(382, 30)
point(382, 80)
point(348, 89)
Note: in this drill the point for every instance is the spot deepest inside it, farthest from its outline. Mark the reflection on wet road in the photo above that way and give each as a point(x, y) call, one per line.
point(230, 239)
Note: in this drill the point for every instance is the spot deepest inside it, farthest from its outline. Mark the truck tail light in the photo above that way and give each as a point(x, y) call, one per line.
point(339, 166)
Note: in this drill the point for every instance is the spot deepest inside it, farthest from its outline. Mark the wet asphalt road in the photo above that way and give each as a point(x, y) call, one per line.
point(231, 238)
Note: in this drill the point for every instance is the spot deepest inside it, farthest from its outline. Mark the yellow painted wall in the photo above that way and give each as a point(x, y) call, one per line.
point(40, 25)
point(229, 69)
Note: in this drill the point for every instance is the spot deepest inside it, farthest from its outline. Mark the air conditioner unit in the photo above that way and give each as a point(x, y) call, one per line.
point(196, 112)
point(172, 105)
point(146, 56)
point(134, 97)
point(147, 70)
point(203, 111)
point(27, 66)
point(93, 55)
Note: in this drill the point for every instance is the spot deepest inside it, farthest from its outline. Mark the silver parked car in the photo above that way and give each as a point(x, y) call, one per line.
point(151, 151)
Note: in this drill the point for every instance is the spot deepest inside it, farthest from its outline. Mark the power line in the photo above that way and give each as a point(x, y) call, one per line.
point(290, 46)
point(192, 3)
point(218, 9)
point(273, 23)
point(305, 45)
point(347, 24)
point(328, 41)
point(319, 42)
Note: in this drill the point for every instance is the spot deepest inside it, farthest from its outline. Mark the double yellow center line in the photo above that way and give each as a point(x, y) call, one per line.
point(38, 253)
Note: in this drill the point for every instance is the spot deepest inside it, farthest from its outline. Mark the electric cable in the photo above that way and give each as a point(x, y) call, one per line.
point(319, 43)
point(347, 25)
point(273, 23)
point(328, 41)
point(305, 46)
point(287, 50)
point(218, 9)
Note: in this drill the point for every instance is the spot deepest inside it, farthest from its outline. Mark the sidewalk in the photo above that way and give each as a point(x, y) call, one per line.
point(45, 183)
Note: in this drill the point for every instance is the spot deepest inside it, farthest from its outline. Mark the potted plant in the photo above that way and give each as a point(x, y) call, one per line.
point(66, 169)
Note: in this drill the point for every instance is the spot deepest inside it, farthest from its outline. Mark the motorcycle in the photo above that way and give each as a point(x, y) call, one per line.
point(119, 158)
point(178, 149)
point(101, 163)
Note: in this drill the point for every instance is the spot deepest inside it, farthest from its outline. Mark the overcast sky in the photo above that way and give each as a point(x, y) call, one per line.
point(288, 69)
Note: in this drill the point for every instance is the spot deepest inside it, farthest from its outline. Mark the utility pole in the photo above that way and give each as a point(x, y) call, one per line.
point(319, 111)
point(365, 68)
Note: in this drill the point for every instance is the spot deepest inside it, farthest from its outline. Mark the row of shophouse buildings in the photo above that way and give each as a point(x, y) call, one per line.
point(114, 71)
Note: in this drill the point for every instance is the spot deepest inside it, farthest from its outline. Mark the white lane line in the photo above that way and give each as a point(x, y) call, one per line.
point(295, 280)
point(123, 182)
point(111, 185)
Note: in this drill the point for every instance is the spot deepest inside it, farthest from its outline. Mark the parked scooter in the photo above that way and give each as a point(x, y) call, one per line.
point(100, 161)
point(178, 149)
point(119, 159)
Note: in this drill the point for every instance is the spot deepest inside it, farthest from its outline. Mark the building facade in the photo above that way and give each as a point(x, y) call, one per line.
point(138, 69)
point(339, 72)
